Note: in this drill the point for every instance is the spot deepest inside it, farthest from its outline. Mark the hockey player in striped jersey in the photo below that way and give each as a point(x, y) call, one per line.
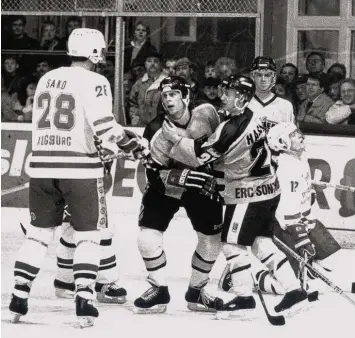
point(171, 186)
point(265, 103)
point(241, 162)
point(72, 107)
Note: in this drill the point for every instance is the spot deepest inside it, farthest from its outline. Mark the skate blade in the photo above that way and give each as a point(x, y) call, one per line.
point(199, 308)
point(155, 309)
point(243, 315)
point(86, 321)
point(301, 307)
point(16, 317)
point(64, 294)
point(111, 300)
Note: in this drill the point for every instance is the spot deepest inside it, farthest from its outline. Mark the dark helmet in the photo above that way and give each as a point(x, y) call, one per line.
point(175, 83)
point(242, 84)
point(263, 62)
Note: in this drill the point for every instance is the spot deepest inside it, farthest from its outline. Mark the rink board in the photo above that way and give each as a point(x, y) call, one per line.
point(331, 160)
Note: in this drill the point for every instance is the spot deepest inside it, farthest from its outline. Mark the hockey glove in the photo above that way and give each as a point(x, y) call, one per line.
point(302, 243)
point(189, 179)
point(134, 146)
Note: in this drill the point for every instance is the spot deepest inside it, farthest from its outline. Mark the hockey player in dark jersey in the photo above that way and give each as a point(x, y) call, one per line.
point(170, 186)
point(242, 164)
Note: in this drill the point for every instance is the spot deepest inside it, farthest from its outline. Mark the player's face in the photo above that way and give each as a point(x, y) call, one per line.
point(172, 101)
point(297, 141)
point(264, 79)
point(231, 98)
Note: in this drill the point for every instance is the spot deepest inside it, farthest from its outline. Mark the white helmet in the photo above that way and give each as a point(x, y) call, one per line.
point(86, 42)
point(278, 137)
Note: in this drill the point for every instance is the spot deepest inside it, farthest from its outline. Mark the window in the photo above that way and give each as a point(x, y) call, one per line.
point(319, 8)
point(323, 41)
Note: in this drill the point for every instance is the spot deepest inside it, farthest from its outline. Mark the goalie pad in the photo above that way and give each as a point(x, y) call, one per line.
point(323, 241)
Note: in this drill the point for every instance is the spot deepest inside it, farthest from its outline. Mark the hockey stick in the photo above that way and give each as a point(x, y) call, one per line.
point(336, 288)
point(335, 186)
point(15, 189)
point(273, 320)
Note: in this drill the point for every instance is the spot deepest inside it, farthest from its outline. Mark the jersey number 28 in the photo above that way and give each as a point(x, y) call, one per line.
point(258, 154)
point(63, 117)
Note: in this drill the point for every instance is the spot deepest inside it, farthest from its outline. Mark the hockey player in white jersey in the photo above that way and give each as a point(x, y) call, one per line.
point(298, 227)
point(72, 107)
point(265, 103)
point(241, 162)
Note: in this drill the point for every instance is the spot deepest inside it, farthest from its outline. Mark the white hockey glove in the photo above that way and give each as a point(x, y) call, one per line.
point(189, 179)
point(299, 236)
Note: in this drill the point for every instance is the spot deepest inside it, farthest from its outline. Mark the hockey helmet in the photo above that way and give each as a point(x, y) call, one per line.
point(263, 62)
point(278, 137)
point(243, 84)
point(176, 83)
point(86, 42)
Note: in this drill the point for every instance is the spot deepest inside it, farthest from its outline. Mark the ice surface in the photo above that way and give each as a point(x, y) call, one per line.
point(50, 317)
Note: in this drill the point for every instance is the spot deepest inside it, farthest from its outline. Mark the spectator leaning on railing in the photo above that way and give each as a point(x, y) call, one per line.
point(314, 108)
point(343, 110)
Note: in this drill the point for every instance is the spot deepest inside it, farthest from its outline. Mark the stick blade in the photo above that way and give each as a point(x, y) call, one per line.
point(277, 320)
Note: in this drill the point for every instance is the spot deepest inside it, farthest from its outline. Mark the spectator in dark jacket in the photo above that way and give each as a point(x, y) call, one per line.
point(11, 74)
point(209, 93)
point(18, 39)
point(139, 47)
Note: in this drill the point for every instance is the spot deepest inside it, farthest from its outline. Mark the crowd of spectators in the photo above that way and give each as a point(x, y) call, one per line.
point(317, 96)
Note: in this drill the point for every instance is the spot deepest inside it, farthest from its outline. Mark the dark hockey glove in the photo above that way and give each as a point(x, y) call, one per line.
point(302, 243)
point(134, 146)
point(189, 179)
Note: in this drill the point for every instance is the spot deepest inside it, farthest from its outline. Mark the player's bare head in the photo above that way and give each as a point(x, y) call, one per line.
point(87, 44)
point(286, 137)
point(263, 72)
point(175, 94)
point(236, 92)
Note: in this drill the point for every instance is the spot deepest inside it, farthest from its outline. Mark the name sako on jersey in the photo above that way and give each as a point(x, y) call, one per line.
point(275, 110)
point(71, 105)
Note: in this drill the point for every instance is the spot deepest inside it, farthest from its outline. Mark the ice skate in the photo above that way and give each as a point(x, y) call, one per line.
point(238, 308)
point(154, 300)
point(110, 293)
point(200, 300)
point(85, 311)
point(63, 289)
point(18, 307)
point(292, 299)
